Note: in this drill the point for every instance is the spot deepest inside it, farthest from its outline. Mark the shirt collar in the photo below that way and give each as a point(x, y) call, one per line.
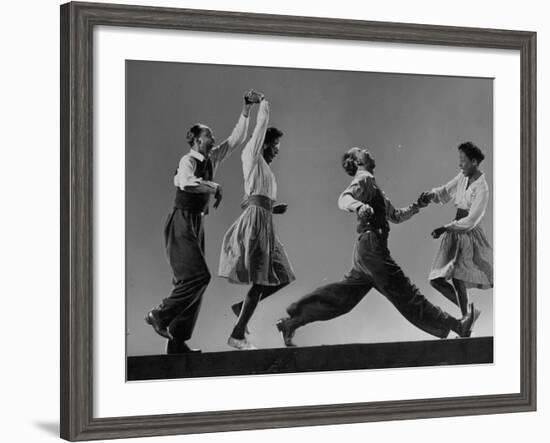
point(361, 173)
point(197, 155)
point(480, 179)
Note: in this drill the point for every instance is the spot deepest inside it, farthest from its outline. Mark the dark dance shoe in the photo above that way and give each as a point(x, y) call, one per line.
point(466, 323)
point(477, 313)
point(236, 308)
point(286, 331)
point(152, 318)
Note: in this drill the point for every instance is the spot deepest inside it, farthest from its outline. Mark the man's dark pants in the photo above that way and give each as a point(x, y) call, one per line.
point(373, 267)
point(184, 240)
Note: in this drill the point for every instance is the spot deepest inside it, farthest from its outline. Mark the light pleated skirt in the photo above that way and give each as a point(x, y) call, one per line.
point(252, 253)
point(466, 256)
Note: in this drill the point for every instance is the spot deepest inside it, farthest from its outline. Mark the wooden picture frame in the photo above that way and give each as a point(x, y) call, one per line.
point(77, 23)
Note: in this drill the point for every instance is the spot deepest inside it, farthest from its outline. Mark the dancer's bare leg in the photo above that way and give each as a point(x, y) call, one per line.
point(248, 307)
point(462, 294)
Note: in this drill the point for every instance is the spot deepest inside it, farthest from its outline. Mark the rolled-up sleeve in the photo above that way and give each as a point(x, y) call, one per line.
point(475, 214)
point(444, 194)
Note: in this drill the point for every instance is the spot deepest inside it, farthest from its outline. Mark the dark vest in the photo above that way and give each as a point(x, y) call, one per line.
point(192, 202)
point(374, 197)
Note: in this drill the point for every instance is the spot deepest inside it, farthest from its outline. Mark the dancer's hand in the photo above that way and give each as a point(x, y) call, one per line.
point(436, 233)
point(365, 211)
point(280, 208)
point(218, 197)
point(248, 97)
point(257, 96)
point(424, 199)
point(252, 96)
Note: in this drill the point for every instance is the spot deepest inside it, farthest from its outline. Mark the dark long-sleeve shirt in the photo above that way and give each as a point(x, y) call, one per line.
point(363, 190)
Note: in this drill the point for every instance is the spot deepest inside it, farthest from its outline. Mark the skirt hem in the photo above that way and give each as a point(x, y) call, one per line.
point(250, 282)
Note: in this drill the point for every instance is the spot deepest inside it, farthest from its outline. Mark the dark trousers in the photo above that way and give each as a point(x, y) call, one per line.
point(184, 239)
point(373, 267)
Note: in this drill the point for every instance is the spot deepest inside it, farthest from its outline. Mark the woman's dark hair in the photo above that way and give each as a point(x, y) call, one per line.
point(349, 163)
point(272, 134)
point(194, 133)
point(471, 151)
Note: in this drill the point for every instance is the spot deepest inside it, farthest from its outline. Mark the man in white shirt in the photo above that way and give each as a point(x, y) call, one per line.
point(176, 316)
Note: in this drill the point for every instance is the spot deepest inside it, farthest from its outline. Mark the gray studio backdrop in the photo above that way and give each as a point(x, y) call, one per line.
point(411, 123)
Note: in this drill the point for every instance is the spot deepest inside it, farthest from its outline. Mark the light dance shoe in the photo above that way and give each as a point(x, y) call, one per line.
point(240, 344)
point(179, 347)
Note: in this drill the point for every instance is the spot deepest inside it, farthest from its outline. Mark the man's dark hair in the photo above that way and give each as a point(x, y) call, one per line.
point(471, 151)
point(272, 134)
point(194, 133)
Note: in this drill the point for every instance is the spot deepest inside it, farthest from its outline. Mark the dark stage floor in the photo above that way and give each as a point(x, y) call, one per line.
point(312, 359)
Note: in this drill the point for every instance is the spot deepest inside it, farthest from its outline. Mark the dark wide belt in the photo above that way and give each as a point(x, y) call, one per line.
point(194, 203)
point(381, 231)
point(461, 213)
point(261, 201)
point(377, 231)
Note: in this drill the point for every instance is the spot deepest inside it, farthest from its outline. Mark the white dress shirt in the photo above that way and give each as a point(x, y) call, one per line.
point(258, 177)
point(185, 175)
point(474, 199)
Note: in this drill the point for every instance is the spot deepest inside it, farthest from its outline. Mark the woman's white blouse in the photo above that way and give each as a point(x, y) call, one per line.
point(258, 177)
point(474, 200)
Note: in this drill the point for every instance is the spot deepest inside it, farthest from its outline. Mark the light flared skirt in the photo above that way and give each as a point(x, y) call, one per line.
point(466, 256)
point(252, 253)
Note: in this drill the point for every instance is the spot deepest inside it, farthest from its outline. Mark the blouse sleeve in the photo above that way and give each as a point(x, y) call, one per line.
point(475, 214)
point(444, 194)
point(253, 149)
point(228, 146)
